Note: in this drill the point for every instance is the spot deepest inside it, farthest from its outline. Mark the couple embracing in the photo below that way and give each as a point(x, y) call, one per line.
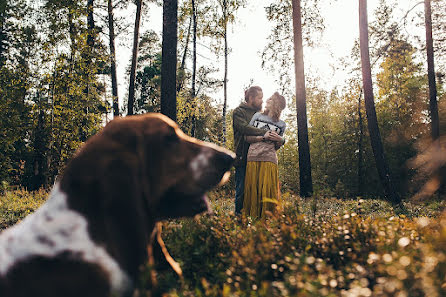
point(257, 136)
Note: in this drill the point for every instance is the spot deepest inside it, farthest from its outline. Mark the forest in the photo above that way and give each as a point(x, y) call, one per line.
point(362, 172)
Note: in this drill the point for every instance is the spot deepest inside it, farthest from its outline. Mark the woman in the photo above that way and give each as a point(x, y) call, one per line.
point(262, 177)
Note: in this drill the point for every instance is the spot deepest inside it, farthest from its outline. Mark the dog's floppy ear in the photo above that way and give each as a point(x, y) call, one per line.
point(158, 256)
point(103, 183)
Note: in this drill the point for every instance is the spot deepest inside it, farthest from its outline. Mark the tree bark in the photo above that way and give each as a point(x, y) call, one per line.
point(131, 101)
point(435, 125)
point(40, 161)
point(194, 54)
point(111, 34)
point(169, 59)
point(375, 137)
point(306, 184)
point(360, 147)
point(72, 34)
point(225, 80)
point(90, 24)
point(183, 59)
point(3, 32)
point(194, 66)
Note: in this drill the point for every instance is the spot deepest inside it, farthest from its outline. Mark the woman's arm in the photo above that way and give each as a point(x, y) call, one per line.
point(269, 135)
point(253, 139)
point(278, 144)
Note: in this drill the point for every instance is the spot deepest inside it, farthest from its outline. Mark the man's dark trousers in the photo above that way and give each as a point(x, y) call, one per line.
point(239, 188)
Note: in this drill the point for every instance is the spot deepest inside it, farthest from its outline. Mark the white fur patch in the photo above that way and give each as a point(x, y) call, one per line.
point(51, 230)
point(200, 163)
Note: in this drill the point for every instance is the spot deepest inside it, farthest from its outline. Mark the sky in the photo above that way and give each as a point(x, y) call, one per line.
point(247, 38)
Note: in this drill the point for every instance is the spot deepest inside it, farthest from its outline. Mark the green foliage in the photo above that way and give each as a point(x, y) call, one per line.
point(401, 110)
point(17, 204)
point(148, 75)
point(50, 95)
point(18, 43)
point(276, 54)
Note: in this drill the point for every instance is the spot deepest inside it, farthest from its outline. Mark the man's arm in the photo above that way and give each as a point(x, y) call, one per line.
point(241, 124)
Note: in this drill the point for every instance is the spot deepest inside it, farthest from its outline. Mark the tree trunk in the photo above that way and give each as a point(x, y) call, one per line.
point(169, 59)
point(131, 100)
point(3, 33)
point(194, 54)
point(111, 33)
point(360, 147)
point(89, 69)
point(375, 137)
point(194, 67)
point(90, 24)
point(435, 126)
point(40, 139)
point(306, 184)
point(183, 60)
point(225, 80)
point(72, 34)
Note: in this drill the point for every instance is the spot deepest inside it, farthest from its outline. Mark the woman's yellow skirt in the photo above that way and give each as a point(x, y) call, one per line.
point(261, 189)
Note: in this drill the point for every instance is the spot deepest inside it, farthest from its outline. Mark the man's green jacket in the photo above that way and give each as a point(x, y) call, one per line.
point(240, 122)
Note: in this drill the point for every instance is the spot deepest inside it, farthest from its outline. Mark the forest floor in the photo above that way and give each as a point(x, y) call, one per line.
point(310, 247)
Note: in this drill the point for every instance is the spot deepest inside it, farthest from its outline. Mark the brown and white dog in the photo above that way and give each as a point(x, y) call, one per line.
point(91, 236)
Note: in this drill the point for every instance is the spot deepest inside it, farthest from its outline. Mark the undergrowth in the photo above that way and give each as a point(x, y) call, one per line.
point(17, 204)
point(310, 247)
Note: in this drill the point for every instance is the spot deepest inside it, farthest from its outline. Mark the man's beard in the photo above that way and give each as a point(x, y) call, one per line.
point(258, 107)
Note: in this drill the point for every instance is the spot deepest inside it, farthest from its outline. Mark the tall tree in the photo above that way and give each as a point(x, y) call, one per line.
point(224, 7)
point(306, 184)
point(182, 69)
point(193, 92)
point(4, 7)
point(375, 137)
point(169, 59)
point(90, 24)
point(360, 147)
point(223, 16)
point(131, 100)
point(194, 51)
point(18, 52)
point(69, 80)
point(435, 124)
point(148, 80)
point(280, 45)
point(111, 35)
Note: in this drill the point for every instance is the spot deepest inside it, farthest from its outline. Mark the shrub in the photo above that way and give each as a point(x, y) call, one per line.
point(17, 204)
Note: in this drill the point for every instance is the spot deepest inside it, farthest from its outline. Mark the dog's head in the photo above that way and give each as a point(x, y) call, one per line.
point(180, 169)
point(170, 169)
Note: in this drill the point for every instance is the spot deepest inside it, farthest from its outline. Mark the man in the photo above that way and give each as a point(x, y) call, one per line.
point(240, 122)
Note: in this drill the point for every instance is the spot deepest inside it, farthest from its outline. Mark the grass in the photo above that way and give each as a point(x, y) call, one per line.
point(17, 204)
point(311, 247)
